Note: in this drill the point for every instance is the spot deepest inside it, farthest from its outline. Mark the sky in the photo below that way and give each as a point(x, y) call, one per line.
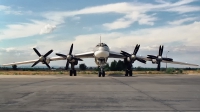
point(122, 24)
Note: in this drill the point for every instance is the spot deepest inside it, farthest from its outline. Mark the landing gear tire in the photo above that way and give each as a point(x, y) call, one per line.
point(130, 73)
point(99, 74)
point(70, 72)
point(126, 74)
point(74, 72)
point(103, 74)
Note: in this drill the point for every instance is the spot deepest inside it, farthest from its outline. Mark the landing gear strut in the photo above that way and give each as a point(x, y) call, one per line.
point(72, 71)
point(102, 73)
point(129, 70)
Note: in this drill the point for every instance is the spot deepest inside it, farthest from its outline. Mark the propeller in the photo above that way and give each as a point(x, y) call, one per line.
point(133, 56)
point(159, 58)
point(69, 57)
point(42, 58)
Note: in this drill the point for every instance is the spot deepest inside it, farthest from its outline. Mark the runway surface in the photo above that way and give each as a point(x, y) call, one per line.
point(63, 94)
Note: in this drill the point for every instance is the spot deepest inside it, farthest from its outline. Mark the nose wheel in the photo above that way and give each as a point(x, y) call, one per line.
point(102, 73)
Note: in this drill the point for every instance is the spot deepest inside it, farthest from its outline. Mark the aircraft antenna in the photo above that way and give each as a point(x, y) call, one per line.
point(100, 38)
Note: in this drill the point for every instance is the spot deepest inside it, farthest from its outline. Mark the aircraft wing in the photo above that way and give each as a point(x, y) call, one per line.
point(113, 54)
point(118, 55)
point(19, 63)
point(181, 63)
point(32, 61)
point(85, 55)
point(57, 58)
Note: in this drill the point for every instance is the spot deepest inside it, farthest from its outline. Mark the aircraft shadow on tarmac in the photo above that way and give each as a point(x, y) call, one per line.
point(118, 75)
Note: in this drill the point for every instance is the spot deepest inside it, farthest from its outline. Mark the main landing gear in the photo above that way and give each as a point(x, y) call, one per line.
point(102, 73)
point(129, 73)
point(72, 71)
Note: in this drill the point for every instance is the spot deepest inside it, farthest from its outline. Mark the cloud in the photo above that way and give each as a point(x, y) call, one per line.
point(3, 7)
point(10, 10)
point(22, 30)
point(129, 19)
point(181, 21)
point(184, 9)
point(147, 20)
point(118, 24)
point(47, 29)
point(131, 12)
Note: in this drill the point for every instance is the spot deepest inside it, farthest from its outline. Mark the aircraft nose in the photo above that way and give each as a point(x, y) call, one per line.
point(101, 48)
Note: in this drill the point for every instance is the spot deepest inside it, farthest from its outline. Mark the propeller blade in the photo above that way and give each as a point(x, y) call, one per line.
point(125, 54)
point(79, 59)
point(48, 53)
point(67, 65)
point(36, 51)
point(152, 56)
point(158, 67)
point(71, 48)
point(141, 60)
point(61, 55)
point(47, 64)
point(35, 63)
point(161, 50)
point(136, 49)
point(167, 59)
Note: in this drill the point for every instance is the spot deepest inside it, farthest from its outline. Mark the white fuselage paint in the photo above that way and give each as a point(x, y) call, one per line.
point(101, 53)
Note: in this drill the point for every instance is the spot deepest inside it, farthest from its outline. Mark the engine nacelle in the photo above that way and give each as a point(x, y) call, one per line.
point(47, 61)
point(154, 61)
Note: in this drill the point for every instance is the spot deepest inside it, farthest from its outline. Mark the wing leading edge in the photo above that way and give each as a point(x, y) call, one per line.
point(85, 55)
point(32, 61)
point(115, 55)
point(181, 63)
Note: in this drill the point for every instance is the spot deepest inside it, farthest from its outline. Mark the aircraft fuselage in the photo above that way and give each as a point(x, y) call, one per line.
point(101, 54)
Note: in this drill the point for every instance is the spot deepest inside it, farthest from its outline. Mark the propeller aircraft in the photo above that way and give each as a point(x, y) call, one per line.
point(101, 53)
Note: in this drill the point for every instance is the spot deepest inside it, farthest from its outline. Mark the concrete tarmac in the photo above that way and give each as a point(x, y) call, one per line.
point(179, 93)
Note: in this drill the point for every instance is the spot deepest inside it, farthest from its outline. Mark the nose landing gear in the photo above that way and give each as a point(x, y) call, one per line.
point(102, 73)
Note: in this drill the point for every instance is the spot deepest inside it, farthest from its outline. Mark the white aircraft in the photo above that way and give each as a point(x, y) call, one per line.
point(101, 53)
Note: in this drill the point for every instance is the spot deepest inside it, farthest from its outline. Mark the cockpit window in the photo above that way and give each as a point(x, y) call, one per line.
point(101, 44)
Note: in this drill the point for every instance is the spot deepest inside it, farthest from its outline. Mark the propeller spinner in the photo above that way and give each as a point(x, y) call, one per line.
point(42, 58)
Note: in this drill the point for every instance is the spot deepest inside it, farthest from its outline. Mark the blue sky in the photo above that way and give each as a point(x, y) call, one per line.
point(121, 23)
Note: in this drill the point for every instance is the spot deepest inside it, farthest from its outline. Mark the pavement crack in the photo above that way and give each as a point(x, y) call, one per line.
point(154, 99)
